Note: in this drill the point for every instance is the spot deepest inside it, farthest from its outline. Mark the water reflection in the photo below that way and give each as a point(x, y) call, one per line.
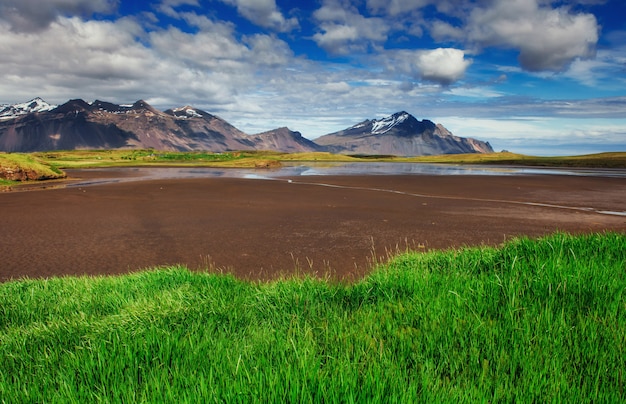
point(124, 174)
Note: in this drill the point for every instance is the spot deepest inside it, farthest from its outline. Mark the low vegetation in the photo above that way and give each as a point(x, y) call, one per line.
point(16, 167)
point(121, 157)
point(598, 160)
point(50, 164)
point(532, 321)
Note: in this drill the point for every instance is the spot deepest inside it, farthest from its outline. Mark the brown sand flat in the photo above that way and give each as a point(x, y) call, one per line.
point(265, 228)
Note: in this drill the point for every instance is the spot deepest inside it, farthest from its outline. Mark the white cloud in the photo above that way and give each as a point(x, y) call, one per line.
point(395, 7)
point(264, 13)
point(167, 7)
point(37, 15)
point(344, 30)
point(606, 71)
point(268, 51)
point(442, 30)
point(475, 92)
point(542, 135)
point(442, 65)
point(547, 39)
point(203, 50)
point(100, 59)
point(337, 87)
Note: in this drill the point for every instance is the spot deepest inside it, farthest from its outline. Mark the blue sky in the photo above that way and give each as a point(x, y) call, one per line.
point(531, 76)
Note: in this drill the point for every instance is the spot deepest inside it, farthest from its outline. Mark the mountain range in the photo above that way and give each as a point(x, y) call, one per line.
point(39, 126)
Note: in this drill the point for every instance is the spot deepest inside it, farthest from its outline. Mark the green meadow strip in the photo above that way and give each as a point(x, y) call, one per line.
point(531, 321)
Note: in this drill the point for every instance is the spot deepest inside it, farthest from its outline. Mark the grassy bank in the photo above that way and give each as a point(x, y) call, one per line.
point(15, 167)
point(533, 321)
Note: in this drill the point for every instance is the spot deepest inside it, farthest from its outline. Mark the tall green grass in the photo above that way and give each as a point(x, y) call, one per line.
point(532, 321)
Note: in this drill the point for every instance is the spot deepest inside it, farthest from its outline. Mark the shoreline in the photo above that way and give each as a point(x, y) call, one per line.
point(103, 175)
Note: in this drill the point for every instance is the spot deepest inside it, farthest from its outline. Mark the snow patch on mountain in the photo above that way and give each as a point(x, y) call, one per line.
point(189, 112)
point(16, 110)
point(380, 126)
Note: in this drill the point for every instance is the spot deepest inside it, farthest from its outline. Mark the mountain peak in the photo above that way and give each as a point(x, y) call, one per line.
point(141, 104)
point(384, 125)
point(187, 111)
point(75, 105)
point(284, 139)
point(35, 105)
point(399, 134)
point(108, 106)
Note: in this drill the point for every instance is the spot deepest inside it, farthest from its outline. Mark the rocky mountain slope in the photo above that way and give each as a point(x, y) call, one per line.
point(80, 125)
point(39, 126)
point(400, 134)
point(283, 139)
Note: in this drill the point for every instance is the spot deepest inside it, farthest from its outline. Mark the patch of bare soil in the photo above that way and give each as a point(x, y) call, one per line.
point(262, 229)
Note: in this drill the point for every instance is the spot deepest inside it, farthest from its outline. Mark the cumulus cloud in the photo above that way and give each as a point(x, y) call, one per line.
point(264, 13)
point(442, 65)
point(344, 29)
point(211, 67)
point(203, 50)
point(101, 59)
point(71, 45)
point(37, 15)
point(547, 38)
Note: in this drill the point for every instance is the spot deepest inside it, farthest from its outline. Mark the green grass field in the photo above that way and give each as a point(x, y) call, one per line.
point(532, 321)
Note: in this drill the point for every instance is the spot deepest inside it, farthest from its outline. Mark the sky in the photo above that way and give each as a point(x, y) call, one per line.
point(540, 77)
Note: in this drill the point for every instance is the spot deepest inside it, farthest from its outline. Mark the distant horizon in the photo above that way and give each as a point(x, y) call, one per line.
point(546, 150)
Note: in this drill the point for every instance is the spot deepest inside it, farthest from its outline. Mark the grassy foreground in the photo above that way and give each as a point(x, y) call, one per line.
point(532, 321)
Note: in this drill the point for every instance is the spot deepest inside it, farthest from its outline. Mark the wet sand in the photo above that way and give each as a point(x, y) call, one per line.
point(261, 229)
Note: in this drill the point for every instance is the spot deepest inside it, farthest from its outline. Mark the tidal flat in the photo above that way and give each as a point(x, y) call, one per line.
point(329, 225)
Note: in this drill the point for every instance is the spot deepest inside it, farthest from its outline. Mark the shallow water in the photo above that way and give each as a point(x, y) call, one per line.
point(125, 174)
point(291, 171)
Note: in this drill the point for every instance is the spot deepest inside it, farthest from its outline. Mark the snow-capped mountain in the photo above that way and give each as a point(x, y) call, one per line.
point(104, 125)
point(386, 124)
point(32, 106)
point(76, 124)
point(400, 134)
point(187, 112)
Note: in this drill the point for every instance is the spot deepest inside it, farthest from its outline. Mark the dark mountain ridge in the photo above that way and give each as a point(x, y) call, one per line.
point(38, 126)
